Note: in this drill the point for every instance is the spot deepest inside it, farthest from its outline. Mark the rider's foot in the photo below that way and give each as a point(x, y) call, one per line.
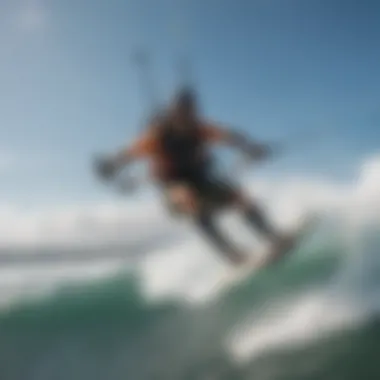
point(281, 245)
point(238, 258)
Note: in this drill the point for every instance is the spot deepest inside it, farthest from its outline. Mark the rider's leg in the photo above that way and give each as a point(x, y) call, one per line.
point(257, 219)
point(252, 214)
point(186, 200)
point(206, 224)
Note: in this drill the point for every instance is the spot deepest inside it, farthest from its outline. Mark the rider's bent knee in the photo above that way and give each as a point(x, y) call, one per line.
point(184, 199)
point(241, 201)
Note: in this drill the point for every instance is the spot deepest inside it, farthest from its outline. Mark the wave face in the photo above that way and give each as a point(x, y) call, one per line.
point(301, 320)
point(171, 316)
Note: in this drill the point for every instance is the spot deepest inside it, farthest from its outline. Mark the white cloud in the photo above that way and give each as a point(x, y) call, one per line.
point(79, 225)
point(92, 224)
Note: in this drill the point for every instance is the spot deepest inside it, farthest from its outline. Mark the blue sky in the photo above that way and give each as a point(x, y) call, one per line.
point(276, 68)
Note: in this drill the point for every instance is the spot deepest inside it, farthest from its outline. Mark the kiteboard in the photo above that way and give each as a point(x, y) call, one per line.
point(273, 254)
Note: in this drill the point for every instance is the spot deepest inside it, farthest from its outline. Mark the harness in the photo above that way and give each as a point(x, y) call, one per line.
point(183, 153)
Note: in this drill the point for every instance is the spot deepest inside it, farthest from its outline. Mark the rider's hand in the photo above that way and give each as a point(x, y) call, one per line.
point(105, 168)
point(260, 152)
point(264, 152)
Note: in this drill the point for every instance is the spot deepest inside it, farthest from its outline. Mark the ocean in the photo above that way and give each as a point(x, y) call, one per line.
point(170, 314)
point(312, 317)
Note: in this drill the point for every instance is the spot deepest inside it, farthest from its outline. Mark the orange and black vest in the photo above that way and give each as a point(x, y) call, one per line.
point(182, 153)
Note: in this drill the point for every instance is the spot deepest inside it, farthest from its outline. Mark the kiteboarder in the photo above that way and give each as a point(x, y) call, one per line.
point(177, 146)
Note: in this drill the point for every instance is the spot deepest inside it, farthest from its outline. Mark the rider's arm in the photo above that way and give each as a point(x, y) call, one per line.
point(217, 134)
point(140, 149)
